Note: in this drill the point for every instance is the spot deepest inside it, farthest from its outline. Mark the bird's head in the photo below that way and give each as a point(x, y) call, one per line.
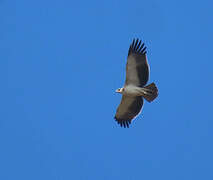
point(119, 90)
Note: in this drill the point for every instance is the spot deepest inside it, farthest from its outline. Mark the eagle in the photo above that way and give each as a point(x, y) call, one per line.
point(135, 90)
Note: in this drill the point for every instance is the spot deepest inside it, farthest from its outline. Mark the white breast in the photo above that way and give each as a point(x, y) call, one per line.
point(131, 90)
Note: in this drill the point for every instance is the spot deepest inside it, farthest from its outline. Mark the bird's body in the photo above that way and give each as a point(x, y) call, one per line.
point(134, 90)
point(131, 90)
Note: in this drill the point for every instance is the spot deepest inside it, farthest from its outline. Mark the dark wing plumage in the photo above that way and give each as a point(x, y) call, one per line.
point(137, 68)
point(128, 109)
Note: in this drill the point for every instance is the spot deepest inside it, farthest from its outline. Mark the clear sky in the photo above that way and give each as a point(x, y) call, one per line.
point(63, 61)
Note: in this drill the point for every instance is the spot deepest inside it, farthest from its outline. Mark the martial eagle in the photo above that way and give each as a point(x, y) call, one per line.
point(134, 90)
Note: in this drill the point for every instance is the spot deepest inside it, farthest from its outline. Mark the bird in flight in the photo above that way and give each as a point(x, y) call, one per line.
point(134, 90)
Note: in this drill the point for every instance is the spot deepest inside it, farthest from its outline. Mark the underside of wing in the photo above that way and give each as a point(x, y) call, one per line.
point(137, 68)
point(128, 109)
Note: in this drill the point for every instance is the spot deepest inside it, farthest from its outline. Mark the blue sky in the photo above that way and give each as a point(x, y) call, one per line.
point(63, 61)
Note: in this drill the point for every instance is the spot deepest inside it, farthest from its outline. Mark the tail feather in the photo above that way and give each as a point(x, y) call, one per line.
point(150, 92)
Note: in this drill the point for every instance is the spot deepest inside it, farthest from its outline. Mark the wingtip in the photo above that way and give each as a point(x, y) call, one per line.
point(123, 123)
point(137, 47)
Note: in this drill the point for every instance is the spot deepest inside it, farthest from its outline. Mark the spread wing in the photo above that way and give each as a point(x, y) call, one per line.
point(137, 68)
point(128, 109)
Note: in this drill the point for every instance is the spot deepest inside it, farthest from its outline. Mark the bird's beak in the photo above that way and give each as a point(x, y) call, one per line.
point(117, 91)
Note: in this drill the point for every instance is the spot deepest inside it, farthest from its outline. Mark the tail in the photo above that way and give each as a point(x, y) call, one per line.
point(150, 92)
